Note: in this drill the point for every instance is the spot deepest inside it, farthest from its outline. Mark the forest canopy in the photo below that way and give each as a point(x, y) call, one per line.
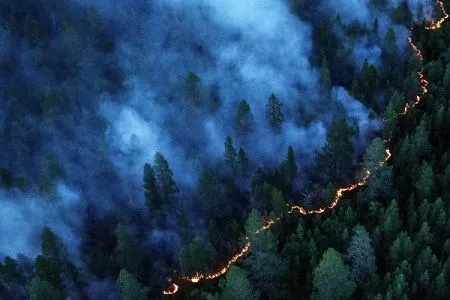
point(224, 149)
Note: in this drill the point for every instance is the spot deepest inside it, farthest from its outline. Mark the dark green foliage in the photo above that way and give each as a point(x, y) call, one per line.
point(209, 192)
point(380, 182)
point(244, 117)
point(365, 87)
point(390, 45)
point(8, 270)
point(237, 286)
point(230, 155)
point(164, 178)
point(41, 289)
point(332, 279)
point(243, 162)
point(151, 193)
point(425, 182)
point(268, 271)
point(50, 244)
point(127, 254)
point(336, 156)
point(361, 255)
point(387, 240)
point(48, 269)
point(197, 257)
point(130, 288)
point(274, 112)
point(412, 86)
point(289, 167)
point(402, 15)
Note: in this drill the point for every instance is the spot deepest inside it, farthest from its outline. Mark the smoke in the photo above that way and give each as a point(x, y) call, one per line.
point(369, 45)
point(365, 12)
point(242, 50)
point(25, 216)
point(239, 50)
point(357, 114)
point(102, 289)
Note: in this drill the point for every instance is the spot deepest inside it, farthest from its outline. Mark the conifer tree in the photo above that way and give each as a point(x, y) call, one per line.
point(230, 155)
point(274, 112)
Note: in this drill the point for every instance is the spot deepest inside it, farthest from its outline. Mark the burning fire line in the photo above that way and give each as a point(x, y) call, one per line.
point(173, 288)
point(438, 24)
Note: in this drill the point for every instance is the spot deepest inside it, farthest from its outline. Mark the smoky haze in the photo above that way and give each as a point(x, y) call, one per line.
point(238, 49)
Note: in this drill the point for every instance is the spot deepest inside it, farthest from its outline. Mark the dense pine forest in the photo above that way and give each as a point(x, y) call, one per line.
point(224, 149)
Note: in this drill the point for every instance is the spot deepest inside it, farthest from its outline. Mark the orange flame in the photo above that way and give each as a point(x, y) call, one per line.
point(438, 24)
point(171, 290)
point(208, 276)
point(339, 193)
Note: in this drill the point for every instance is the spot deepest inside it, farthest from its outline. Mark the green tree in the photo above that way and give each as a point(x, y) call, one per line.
point(398, 289)
point(274, 112)
point(402, 15)
point(197, 257)
point(51, 245)
point(423, 237)
point(446, 80)
point(438, 217)
point(230, 155)
point(253, 223)
point(439, 289)
point(400, 250)
point(130, 288)
point(242, 162)
point(331, 278)
point(426, 267)
point(262, 194)
point(425, 184)
point(390, 116)
point(237, 286)
point(421, 140)
point(435, 70)
point(380, 181)
point(361, 255)
point(209, 192)
point(244, 117)
point(336, 156)
point(289, 167)
point(268, 271)
point(126, 252)
point(164, 178)
point(8, 271)
point(48, 270)
point(295, 255)
point(390, 223)
point(41, 289)
point(412, 86)
point(278, 203)
point(365, 87)
point(390, 47)
point(151, 193)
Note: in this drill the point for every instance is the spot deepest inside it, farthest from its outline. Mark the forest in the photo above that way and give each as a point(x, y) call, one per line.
point(222, 150)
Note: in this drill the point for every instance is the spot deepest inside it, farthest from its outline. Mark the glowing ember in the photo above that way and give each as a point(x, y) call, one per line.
point(339, 193)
